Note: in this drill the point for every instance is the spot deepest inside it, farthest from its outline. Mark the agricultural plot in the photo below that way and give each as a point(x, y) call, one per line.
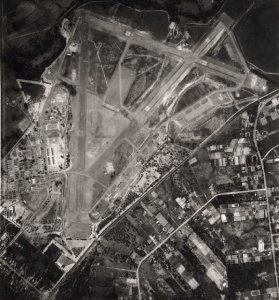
point(105, 52)
point(187, 185)
point(103, 127)
point(220, 171)
point(267, 126)
point(150, 69)
point(155, 275)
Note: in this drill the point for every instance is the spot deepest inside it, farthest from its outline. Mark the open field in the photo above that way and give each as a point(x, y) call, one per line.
point(119, 155)
point(150, 68)
point(34, 199)
point(79, 230)
point(139, 136)
point(119, 86)
point(105, 52)
point(103, 127)
point(81, 193)
point(69, 67)
point(92, 192)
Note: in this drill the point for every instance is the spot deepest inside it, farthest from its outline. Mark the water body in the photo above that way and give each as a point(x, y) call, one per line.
point(257, 32)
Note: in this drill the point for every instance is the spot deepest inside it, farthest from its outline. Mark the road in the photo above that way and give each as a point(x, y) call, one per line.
point(266, 187)
point(82, 99)
point(25, 280)
point(186, 58)
point(179, 227)
point(137, 201)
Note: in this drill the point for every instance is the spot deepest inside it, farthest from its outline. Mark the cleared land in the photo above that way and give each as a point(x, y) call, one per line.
point(118, 155)
point(92, 192)
point(105, 52)
point(150, 68)
point(79, 230)
point(103, 127)
point(119, 86)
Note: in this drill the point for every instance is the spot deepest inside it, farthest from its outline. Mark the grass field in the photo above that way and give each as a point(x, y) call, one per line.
point(34, 199)
point(119, 86)
point(119, 156)
point(105, 52)
point(150, 68)
point(92, 192)
point(139, 136)
point(82, 193)
point(79, 230)
point(103, 127)
point(69, 67)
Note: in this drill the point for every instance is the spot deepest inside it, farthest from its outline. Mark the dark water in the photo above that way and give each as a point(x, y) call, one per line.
point(257, 32)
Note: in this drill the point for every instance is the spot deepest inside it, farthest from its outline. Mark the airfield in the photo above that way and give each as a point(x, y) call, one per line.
point(129, 88)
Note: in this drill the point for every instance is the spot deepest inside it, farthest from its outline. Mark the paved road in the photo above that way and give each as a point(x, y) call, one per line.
point(265, 185)
point(187, 58)
point(133, 205)
point(82, 99)
point(25, 280)
point(180, 226)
